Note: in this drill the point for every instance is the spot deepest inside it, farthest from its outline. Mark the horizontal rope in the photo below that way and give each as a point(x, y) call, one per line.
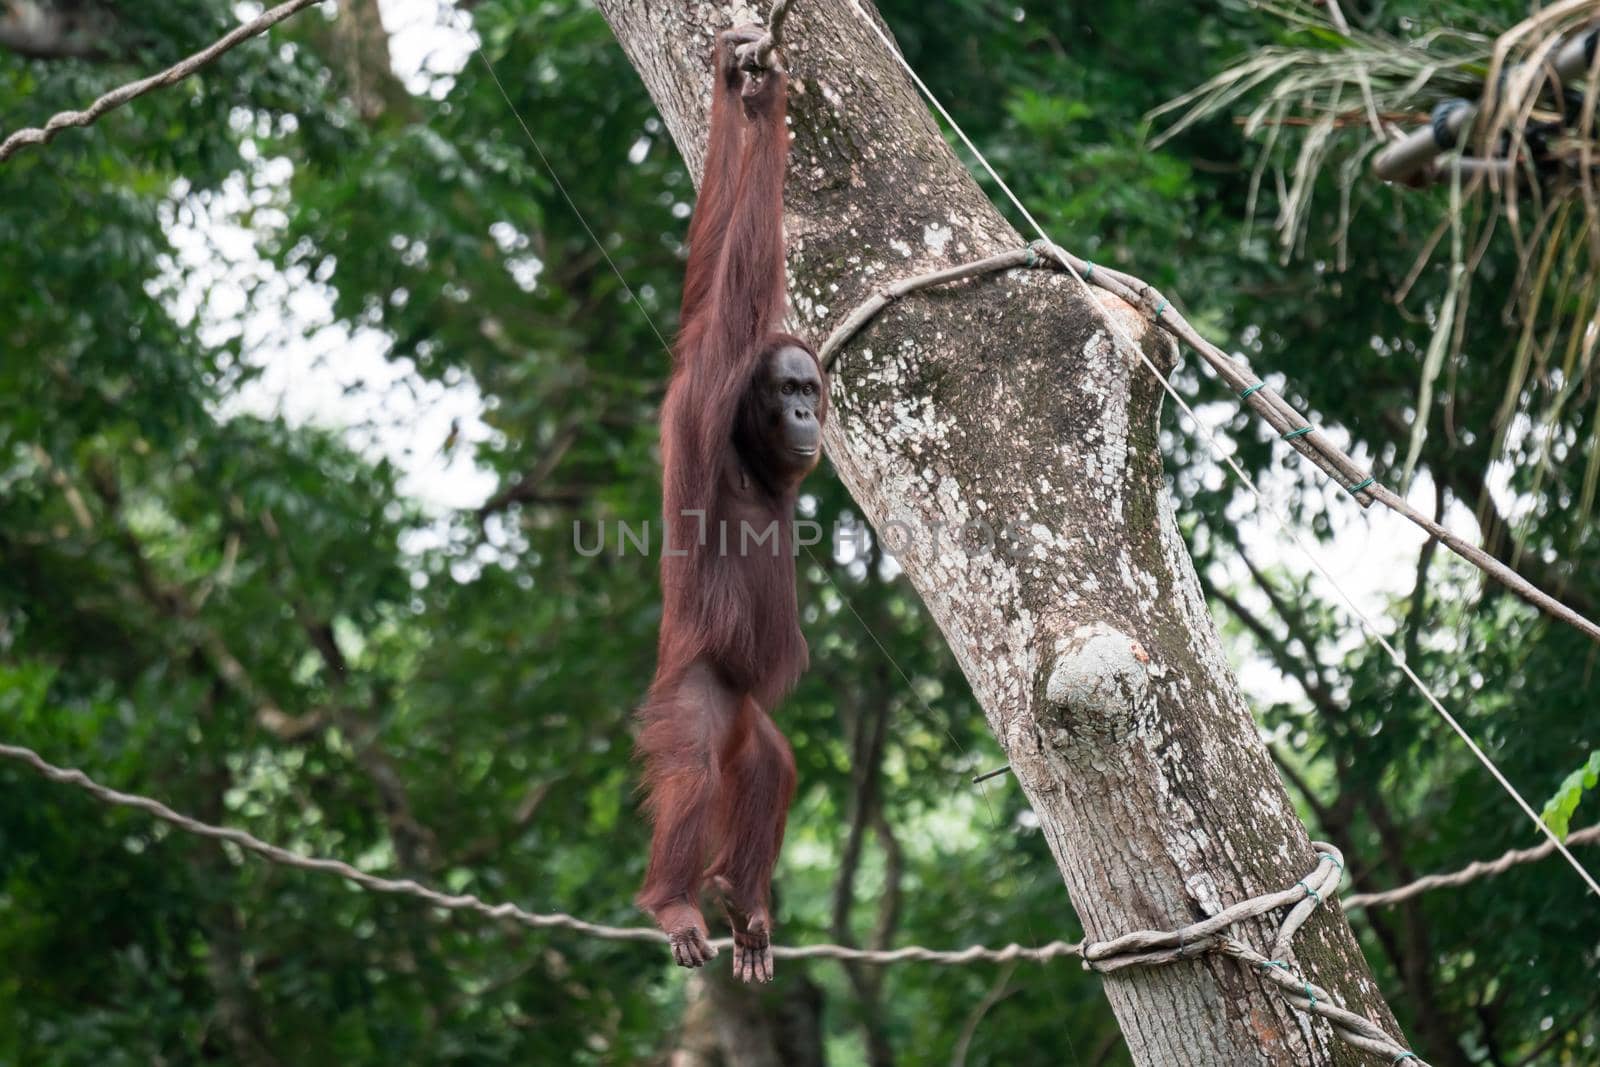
point(1143, 948)
point(1470, 873)
point(561, 921)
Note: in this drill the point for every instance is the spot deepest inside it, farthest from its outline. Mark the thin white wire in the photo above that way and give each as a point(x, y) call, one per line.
point(562, 188)
point(1216, 447)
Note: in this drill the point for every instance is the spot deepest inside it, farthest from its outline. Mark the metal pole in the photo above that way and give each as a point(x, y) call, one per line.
point(1407, 157)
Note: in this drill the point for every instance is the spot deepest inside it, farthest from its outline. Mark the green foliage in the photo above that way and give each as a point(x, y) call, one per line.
point(1318, 98)
point(252, 618)
point(1559, 808)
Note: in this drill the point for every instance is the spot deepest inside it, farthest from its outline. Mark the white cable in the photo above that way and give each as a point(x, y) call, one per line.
point(562, 188)
point(1216, 447)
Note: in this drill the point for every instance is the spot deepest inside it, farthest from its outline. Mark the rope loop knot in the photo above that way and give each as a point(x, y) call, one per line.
point(1154, 948)
point(757, 55)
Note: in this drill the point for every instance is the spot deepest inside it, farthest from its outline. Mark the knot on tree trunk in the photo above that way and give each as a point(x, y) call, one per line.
point(1097, 692)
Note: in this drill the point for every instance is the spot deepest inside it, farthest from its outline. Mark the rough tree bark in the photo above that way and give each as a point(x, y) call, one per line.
point(1007, 399)
point(728, 1023)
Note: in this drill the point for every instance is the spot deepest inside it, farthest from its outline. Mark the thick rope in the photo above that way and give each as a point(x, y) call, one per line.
point(1472, 872)
point(1147, 948)
point(558, 920)
point(872, 305)
point(758, 54)
point(40, 135)
point(1289, 424)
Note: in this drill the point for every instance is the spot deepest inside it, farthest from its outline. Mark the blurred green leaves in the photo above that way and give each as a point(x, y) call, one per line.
point(1559, 808)
point(242, 613)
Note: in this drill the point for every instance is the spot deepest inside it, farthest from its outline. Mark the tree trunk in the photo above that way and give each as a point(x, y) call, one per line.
point(1007, 400)
point(727, 1023)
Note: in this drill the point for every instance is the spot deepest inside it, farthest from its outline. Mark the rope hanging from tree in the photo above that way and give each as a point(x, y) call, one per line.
point(758, 55)
point(1289, 424)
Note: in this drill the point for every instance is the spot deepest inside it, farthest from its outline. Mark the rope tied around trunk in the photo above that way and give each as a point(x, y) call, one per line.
point(1290, 426)
point(1152, 948)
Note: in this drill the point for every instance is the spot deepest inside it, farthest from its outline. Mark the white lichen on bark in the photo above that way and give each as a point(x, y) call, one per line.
point(1006, 398)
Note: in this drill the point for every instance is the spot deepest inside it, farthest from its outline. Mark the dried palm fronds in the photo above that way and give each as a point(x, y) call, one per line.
point(1322, 104)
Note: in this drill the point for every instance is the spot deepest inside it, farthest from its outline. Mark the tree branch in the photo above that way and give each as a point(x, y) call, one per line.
point(176, 603)
point(1332, 821)
point(1557, 1033)
point(527, 488)
point(1419, 592)
point(415, 844)
point(1287, 662)
point(868, 718)
point(998, 991)
point(229, 965)
point(1415, 959)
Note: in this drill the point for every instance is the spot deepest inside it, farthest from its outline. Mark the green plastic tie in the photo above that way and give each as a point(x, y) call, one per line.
point(1404, 1056)
point(1330, 859)
point(1273, 963)
point(1088, 273)
point(1160, 309)
point(1301, 432)
point(1312, 893)
point(1361, 485)
point(1311, 997)
point(1251, 391)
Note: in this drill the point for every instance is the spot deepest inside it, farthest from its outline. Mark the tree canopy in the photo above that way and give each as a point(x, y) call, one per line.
point(263, 615)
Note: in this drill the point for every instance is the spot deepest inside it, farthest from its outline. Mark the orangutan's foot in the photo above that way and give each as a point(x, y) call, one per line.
point(686, 930)
point(752, 935)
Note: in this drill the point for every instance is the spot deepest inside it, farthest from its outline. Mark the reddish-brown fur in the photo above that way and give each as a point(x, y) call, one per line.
point(718, 772)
